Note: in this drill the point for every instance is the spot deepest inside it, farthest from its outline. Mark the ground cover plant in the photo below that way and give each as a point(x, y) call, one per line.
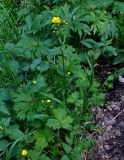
point(48, 53)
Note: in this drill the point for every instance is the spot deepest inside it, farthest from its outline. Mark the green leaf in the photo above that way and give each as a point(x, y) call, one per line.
point(90, 43)
point(3, 108)
point(118, 7)
point(88, 117)
point(35, 63)
point(69, 139)
point(22, 104)
point(5, 94)
point(67, 148)
point(40, 116)
point(110, 50)
point(40, 82)
point(97, 53)
point(59, 113)
point(25, 46)
point(66, 122)
point(10, 47)
point(43, 67)
point(5, 122)
point(42, 138)
point(14, 132)
point(36, 155)
point(119, 58)
point(29, 21)
point(23, 12)
point(87, 143)
point(14, 66)
point(65, 157)
point(41, 141)
point(53, 123)
point(61, 121)
point(44, 157)
point(3, 144)
point(76, 153)
point(36, 23)
point(120, 71)
point(73, 97)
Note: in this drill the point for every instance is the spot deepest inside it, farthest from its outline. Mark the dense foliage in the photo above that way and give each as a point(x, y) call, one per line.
point(48, 52)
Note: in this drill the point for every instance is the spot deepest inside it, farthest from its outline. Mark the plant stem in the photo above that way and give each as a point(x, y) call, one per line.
point(58, 134)
point(64, 77)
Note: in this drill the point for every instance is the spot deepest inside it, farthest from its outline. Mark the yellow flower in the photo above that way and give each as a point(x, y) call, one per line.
point(68, 73)
point(48, 100)
point(56, 20)
point(34, 81)
point(24, 152)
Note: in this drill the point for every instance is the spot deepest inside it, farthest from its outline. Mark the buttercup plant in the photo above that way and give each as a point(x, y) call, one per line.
point(48, 52)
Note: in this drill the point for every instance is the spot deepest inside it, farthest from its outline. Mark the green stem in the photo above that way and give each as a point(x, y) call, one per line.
point(64, 77)
point(58, 134)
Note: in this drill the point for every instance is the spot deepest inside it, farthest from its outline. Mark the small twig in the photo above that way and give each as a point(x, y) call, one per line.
point(117, 115)
point(103, 126)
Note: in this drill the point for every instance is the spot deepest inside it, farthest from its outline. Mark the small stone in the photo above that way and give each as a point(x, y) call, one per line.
point(121, 79)
point(109, 108)
point(109, 128)
point(107, 147)
point(117, 133)
point(121, 124)
point(108, 72)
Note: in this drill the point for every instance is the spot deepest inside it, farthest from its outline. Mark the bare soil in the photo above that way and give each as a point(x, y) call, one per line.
point(110, 138)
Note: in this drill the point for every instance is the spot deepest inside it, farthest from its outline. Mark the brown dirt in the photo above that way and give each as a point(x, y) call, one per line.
point(110, 139)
